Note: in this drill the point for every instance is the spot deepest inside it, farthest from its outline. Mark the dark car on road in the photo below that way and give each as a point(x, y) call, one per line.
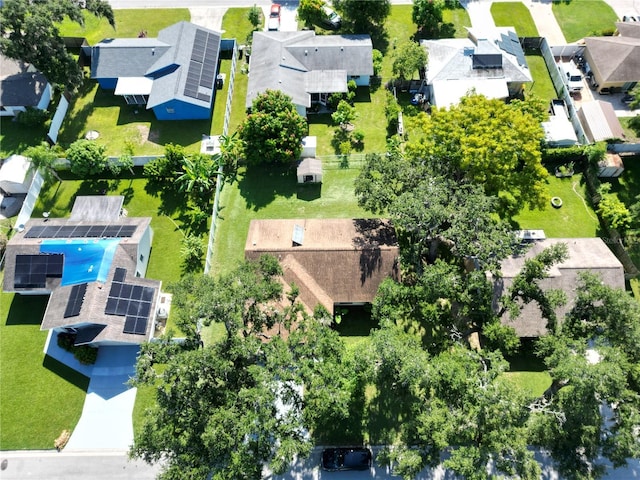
point(346, 458)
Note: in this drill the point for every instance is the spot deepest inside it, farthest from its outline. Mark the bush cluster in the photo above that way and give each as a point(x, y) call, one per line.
point(84, 353)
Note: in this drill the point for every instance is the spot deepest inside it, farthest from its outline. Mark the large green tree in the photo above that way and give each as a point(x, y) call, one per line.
point(359, 16)
point(408, 59)
point(273, 130)
point(216, 405)
point(427, 15)
point(29, 32)
point(488, 142)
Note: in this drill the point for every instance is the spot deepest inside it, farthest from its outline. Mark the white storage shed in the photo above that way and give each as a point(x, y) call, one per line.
point(16, 175)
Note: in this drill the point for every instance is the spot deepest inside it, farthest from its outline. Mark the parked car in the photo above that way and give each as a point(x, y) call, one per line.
point(571, 76)
point(342, 458)
point(331, 19)
point(274, 18)
point(629, 18)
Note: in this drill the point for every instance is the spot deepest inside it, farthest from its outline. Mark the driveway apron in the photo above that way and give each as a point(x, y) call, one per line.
point(106, 416)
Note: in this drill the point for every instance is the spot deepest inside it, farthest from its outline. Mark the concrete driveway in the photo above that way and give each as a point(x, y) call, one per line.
point(106, 422)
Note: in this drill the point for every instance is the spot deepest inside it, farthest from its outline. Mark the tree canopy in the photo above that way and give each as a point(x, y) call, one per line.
point(488, 142)
point(227, 392)
point(273, 130)
point(359, 16)
point(29, 32)
point(408, 59)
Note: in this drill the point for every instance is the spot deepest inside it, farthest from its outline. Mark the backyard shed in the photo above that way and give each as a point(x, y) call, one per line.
point(610, 166)
point(15, 175)
point(310, 171)
point(600, 122)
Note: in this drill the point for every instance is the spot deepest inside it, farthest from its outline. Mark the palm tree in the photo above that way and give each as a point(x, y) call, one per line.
point(43, 159)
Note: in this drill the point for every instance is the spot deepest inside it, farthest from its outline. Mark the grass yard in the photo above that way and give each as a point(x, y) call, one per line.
point(459, 18)
point(16, 138)
point(235, 25)
point(129, 23)
point(542, 85)
point(574, 219)
point(514, 14)
point(40, 397)
point(119, 123)
point(583, 18)
point(632, 136)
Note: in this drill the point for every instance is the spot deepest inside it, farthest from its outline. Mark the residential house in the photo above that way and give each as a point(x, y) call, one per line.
point(21, 86)
point(615, 61)
point(92, 266)
point(490, 63)
point(306, 66)
point(174, 74)
point(334, 262)
point(585, 255)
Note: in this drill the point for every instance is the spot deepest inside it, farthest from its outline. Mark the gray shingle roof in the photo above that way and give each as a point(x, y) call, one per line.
point(301, 63)
point(92, 313)
point(165, 58)
point(20, 86)
point(125, 57)
point(585, 254)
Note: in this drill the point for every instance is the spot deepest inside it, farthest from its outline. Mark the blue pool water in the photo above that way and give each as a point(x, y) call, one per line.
point(85, 260)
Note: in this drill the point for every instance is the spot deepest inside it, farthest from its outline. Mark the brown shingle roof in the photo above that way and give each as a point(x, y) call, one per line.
point(616, 59)
point(339, 261)
point(585, 254)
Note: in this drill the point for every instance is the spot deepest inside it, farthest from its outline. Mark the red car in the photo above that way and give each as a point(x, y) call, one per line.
point(274, 17)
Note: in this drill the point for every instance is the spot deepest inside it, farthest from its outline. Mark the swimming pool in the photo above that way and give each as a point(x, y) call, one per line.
point(85, 260)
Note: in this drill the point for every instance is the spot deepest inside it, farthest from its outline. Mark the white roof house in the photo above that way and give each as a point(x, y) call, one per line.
point(489, 63)
point(15, 175)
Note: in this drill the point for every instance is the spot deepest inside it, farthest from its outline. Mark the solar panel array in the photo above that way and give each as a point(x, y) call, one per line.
point(203, 66)
point(130, 301)
point(511, 44)
point(76, 297)
point(32, 271)
point(81, 231)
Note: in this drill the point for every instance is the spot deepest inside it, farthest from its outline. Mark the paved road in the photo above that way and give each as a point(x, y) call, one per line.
point(47, 465)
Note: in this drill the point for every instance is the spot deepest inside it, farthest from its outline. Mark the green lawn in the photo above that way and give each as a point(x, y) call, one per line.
point(16, 138)
point(542, 85)
point(459, 18)
point(119, 123)
point(40, 397)
point(129, 24)
point(583, 18)
point(574, 219)
point(632, 136)
point(514, 14)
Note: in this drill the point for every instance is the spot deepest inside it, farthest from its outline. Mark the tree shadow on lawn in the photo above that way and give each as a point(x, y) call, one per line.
point(385, 413)
point(65, 372)
point(27, 309)
point(261, 184)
